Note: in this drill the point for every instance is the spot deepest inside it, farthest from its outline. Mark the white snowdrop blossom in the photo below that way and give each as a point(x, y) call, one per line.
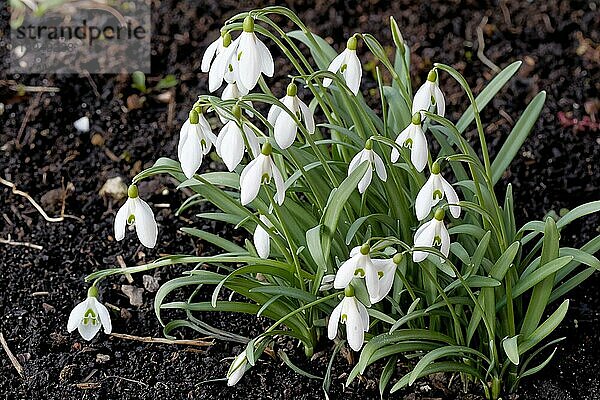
point(216, 61)
point(262, 240)
point(430, 94)
point(232, 91)
point(284, 126)
point(414, 138)
point(137, 213)
point(195, 141)
point(258, 171)
point(375, 162)
point(237, 369)
point(432, 234)
point(386, 270)
point(230, 143)
point(353, 314)
point(88, 316)
point(348, 64)
point(359, 265)
point(249, 57)
point(433, 191)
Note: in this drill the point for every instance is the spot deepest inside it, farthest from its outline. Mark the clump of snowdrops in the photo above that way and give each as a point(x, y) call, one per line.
point(377, 228)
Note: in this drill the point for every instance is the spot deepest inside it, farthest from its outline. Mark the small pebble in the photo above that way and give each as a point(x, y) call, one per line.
point(82, 124)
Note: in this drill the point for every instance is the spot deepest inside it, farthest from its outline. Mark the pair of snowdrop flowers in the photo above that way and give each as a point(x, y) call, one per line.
point(379, 278)
point(239, 62)
point(88, 316)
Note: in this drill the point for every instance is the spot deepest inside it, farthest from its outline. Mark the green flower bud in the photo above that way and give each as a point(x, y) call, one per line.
point(368, 144)
point(292, 89)
point(236, 111)
point(397, 258)
point(416, 118)
point(226, 39)
point(194, 117)
point(435, 168)
point(352, 43)
point(439, 214)
point(132, 191)
point(397, 35)
point(349, 291)
point(432, 76)
point(267, 149)
point(92, 291)
point(365, 249)
point(248, 24)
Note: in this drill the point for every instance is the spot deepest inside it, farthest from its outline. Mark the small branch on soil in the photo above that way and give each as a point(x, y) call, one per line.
point(122, 264)
point(10, 355)
point(24, 244)
point(36, 205)
point(17, 87)
point(32, 106)
point(193, 342)
point(481, 46)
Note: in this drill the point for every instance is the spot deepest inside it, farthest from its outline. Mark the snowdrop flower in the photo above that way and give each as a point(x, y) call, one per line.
point(386, 270)
point(284, 125)
point(367, 154)
point(430, 94)
point(262, 240)
point(136, 212)
point(359, 265)
point(237, 369)
point(354, 314)
point(250, 57)
point(348, 64)
point(88, 316)
point(230, 143)
point(414, 138)
point(232, 91)
point(258, 171)
point(433, 191)
point(216, 61)
point(432, 234)
point(195, 141)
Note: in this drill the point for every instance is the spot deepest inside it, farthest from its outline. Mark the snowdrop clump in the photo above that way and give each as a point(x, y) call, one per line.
point(424, 260)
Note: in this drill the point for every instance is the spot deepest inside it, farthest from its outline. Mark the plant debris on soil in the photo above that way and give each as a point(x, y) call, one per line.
point(43, 263)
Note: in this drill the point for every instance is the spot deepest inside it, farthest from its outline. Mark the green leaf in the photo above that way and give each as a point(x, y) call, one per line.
point(285, 358)
point(510, 346)
point(224, 244)
point(545, 328)
point(321, 51)
point(517, 136)
point(445, 366)
point(446, 351)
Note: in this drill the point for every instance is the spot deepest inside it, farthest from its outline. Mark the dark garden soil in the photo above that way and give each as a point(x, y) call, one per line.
point(559, 42)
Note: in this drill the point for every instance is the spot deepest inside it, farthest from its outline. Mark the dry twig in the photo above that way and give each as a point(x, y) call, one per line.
point(24, 244)
point(122, 264)
point(481, 46)
point(10, 355)
point(192, 342)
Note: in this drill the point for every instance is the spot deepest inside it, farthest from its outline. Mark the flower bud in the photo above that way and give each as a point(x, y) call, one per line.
point(365, 249)
point(132, 191)
point(435, 168)
point(397, 35)
point(194, 117)
point(292, 89)
point(432, 76)
point(248, 24)
point(416, 118)
point(439, 214)
point(352, 43)
point(349, 291)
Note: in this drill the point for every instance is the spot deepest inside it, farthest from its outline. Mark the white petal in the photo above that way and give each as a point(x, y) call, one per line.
point(249, 65)
point(335, 65)
point(364, 183)
point(285, 130)
point(252, 141)
point(183, 134)
point(238, 368)
point(279, 184)
point(345, 273)
point(354, 326)
point(334, 320)
point(121, 220)
point(452, 198)
point(440, 102)
point(274, 113)
point(262, 240)
point(308, 115)
point(424, 238)
point(145, 224)
point(250, 184)
point(355, 162)
point(232, 145)
point(419, 152)
point(104, 317)
point(445, 237)
point(422, 99)
point(267, 64)
point(209, 54)
point(88, 331)
point(76, 315)
point(217, 72)
point(355, 250)
point(371, 279)
point(353, 72)
point(191, 155)
point(424, 199)
point(379, 167)
point(364, 315)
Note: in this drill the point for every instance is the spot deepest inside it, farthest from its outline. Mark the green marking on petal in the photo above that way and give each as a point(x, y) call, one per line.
point(437, 194)
point(359, 272)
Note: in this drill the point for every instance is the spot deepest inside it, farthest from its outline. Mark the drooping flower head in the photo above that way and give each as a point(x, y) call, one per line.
point(216, 61)
point(353, 314)
point(432, 234)
point(260, 171)
point(429, 94)
point(237, 369)
point(195, 141)
point(137, 213)
point(88, 316)
point(262, 239)
point(433, 191)
point(230, 143)
point(414, 138)
point(386, 270)
point(249, 57)
point(359, 265)
point(284, 125)
point(375, 163)
point(348, 64)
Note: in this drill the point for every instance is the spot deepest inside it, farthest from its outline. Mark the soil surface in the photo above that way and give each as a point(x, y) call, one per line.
point(42, 153)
